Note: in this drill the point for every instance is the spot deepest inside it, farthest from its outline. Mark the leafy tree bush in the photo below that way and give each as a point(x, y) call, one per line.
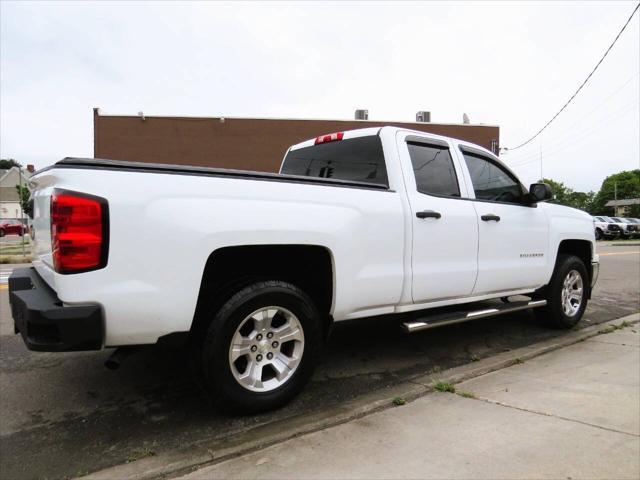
point(627, 184)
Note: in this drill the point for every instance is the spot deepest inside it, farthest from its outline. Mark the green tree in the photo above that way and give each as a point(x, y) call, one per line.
point(627, 185)
point(6, 163)
point(582, 200)
point(560, 191)
point(563, 195)
point(24, 194)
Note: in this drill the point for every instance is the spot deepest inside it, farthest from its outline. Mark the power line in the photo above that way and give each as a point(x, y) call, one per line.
point(560, 146)
point(568, 132)
point(583, 83)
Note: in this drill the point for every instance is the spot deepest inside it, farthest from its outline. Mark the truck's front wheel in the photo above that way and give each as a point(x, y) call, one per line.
point(261, 347)
point(566, 294)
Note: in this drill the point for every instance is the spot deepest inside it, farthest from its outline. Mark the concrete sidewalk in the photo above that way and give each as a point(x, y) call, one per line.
point(572, 413)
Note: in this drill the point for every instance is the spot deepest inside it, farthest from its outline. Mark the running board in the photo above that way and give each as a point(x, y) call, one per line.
point(439, 320)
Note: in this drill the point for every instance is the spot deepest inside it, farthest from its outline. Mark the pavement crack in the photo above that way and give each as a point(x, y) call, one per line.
point(615, 343)
point(544, 414)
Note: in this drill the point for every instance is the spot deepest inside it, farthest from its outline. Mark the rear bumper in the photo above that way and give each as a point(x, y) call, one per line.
point(47, 325)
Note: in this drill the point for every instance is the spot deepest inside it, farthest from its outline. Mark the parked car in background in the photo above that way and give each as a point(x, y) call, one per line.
point(605, 228)
point(12, 227)
point(633, 226)
point(627, 227)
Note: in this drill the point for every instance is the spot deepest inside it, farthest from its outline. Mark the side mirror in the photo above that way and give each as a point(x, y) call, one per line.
point(539, 192)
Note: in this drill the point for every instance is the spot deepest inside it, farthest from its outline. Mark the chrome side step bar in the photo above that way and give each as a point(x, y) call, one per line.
point(439, 320)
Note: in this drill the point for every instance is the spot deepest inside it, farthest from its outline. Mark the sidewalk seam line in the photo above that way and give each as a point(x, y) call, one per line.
point(535, 412)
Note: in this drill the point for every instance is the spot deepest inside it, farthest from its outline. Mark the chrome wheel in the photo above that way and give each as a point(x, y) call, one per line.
point(266, 349)
point(572, 293)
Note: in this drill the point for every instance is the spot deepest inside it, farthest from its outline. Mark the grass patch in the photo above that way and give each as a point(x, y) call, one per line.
point(140, 453)
point(613, 328)
point(4, 259)
point(517, 361)
point(475, 358)
point(399, 401)
point(15, 250)
point(610, 329)
point(467, 394)
point(444, 387)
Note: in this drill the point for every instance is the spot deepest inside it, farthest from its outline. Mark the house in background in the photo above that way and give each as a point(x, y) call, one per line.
point(9, 198)
point(621, 208)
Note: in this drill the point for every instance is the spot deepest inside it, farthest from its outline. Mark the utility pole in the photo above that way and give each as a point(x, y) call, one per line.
point(21, 212)
point(540, 143)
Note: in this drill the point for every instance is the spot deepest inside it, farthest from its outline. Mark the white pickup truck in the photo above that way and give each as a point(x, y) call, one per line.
point(250, 270)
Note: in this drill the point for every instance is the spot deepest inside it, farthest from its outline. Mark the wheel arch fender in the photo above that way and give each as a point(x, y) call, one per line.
point(228, 269)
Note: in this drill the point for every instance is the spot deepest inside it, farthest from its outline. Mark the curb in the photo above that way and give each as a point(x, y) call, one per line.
point(631, 243)
point(205, 453)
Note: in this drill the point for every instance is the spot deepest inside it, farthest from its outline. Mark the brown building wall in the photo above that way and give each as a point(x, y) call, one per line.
point(238, 143)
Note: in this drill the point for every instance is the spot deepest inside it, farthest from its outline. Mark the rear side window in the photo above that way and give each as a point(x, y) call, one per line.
point(356, 159)
point(433, 169)
point(491, 182)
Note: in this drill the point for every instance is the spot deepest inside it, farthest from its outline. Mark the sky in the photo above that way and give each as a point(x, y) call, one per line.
point(507, 64)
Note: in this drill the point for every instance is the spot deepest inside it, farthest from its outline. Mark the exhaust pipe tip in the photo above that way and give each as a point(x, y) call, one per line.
point(118, 356)
point(112, 364)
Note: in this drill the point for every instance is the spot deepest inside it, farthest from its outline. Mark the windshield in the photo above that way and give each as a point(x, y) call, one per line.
point(358, 159)
point(606, 219)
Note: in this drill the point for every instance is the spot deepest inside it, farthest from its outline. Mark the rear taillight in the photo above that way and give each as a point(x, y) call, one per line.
point(79, 231)
point(332, 137)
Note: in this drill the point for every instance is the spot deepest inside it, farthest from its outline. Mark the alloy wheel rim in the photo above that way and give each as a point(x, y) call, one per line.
point(266, 349)
point(572, 293)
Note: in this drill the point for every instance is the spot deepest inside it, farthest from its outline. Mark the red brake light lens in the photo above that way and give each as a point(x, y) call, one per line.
point(79, 232)
point(332, 137)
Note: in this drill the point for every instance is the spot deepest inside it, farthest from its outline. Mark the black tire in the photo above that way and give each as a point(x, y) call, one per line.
point(598, 234)
point(217, 377)
point(553, 313)
point(2, 234)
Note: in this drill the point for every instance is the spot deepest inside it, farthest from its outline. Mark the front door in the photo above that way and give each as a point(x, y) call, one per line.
point(513, 235)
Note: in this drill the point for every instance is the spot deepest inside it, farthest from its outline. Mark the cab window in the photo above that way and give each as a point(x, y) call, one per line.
point(358, 159)
point(491, 182)
point(433, 169)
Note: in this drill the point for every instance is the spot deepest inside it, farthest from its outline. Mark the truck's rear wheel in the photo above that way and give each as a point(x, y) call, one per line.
point(566, 294)
point(261, 347)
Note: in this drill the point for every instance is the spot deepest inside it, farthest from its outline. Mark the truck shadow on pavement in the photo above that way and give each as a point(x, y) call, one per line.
point(66, 415)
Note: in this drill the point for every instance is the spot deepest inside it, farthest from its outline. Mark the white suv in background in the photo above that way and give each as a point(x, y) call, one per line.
point(605, 227)
point(629, 228)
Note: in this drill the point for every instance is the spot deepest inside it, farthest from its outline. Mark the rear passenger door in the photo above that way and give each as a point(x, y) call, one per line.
point(513, 234)
point(444, 227)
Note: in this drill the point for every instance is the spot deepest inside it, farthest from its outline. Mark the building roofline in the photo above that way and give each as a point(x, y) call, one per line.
point(8, 171)
point(204, 117)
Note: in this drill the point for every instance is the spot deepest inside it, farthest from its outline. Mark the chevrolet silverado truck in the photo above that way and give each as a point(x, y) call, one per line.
point(250, 270)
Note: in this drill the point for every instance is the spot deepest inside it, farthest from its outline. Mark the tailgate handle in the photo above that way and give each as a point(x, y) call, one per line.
point(428, 214)
point(490, 217)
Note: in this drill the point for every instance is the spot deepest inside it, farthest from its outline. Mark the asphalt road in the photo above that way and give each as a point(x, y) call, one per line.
point(65, 414)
